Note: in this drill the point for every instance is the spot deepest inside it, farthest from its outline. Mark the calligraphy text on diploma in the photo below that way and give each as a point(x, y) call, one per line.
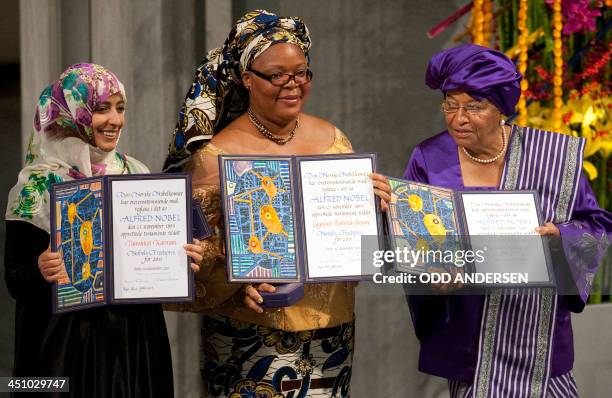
point(503, 225)
point(339, 208)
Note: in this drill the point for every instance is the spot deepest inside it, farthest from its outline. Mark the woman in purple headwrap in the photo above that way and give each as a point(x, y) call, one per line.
point(112, 351)
point(504, 344)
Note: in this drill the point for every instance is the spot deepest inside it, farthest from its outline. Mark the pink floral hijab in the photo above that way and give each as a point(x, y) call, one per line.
point(62, 145)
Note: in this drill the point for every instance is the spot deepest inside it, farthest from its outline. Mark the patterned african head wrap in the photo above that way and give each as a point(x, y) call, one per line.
point(70, 101)
point(217, 96)
point(478, 71)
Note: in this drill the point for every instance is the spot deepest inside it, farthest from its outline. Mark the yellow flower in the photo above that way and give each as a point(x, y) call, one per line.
point(538, 116)
point(584, 116)
point(589, 117)
point(590, 169)
point(592, 144)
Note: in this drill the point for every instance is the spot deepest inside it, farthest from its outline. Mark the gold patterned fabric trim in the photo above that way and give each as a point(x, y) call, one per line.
point(487, 340)
point(546, 325)
point(568, 183)
point(197, 160)
point(510, 177)
point(341, 143)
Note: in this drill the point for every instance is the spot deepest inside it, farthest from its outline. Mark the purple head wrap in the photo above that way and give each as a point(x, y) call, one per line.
point(479, 71)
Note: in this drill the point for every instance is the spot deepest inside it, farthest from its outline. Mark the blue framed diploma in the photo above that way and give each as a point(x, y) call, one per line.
point(121, 239)
point(487, 236)
point(294, 219)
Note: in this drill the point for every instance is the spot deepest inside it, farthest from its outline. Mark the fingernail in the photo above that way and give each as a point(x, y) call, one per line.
point(260, 300)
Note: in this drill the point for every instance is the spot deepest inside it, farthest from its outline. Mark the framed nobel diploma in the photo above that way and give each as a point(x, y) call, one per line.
point(297, 218)
point(487, 237)
point(121, 239)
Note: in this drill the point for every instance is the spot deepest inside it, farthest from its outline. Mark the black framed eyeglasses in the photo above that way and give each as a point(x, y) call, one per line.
point(280, 79)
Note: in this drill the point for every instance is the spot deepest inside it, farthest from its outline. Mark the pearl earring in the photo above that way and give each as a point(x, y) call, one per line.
point(502, 122)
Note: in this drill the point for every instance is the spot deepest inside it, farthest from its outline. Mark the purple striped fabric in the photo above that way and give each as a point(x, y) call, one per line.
point(563, 386)
point(517, 327)
point(545, 158)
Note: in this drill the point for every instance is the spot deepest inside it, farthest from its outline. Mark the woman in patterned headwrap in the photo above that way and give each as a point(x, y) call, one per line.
point(505, 344)
point(247, 99)
point(111, 351)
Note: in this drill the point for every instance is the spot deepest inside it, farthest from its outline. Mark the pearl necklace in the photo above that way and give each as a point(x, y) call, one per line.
point(268, 134)
point(493, 159)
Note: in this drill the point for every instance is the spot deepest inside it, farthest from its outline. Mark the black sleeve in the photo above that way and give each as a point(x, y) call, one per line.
point(24, 243)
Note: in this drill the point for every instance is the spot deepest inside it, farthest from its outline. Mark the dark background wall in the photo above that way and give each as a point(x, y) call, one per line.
point(10, 156)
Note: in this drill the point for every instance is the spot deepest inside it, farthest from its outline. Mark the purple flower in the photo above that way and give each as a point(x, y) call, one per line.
point(75, 173)
point(578, 15)
point(98, 169)
point(52, 112)
point(83, 117)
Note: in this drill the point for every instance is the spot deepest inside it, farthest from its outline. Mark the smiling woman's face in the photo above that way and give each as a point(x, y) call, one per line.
point(469, 128)
point(278, 104)
point(107, 121)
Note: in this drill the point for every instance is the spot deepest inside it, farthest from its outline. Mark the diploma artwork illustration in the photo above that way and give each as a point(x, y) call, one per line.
point(297, 219)
point(422, 218)
point(261, 219)
point(121, 240)
point(484, 232)
point(79, 234)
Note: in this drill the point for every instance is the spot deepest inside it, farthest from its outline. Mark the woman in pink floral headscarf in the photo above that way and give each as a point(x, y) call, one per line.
point(114, 351)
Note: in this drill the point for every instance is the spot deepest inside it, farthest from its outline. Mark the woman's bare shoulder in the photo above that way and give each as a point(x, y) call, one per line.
point(319, 129)
point(231, 138)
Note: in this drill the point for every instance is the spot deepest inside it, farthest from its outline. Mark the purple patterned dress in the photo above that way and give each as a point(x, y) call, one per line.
point(505, 344)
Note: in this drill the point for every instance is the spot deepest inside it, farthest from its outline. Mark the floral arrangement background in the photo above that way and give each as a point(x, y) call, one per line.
point(563, 48)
